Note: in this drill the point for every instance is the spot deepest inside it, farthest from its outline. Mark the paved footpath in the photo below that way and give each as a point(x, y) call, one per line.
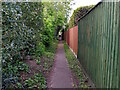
point(61, 75)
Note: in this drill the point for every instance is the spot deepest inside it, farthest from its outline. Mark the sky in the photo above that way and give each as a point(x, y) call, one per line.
point(79, 3)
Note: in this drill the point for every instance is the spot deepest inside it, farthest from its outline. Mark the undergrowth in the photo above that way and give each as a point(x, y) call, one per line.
point(75, 67)
point(48, 57)
point(38, 80)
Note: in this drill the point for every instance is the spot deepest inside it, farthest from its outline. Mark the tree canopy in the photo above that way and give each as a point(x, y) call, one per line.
point(77, 14)
point(56, 14)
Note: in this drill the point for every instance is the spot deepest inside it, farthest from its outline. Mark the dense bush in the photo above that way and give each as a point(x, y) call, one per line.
point(22, 24)
point(28, 29)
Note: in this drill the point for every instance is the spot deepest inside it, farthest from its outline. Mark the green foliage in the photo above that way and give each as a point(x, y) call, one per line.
point(19, 85)
point(40, 49)
point(21, 26)
point(49, 56)
point(11, 73)
point(53, 46)
point(37, 81)
point(77, 14)
point(55, 17)
point(29, 82)
point(38, 61)
point(28, 29)
point(22, 67)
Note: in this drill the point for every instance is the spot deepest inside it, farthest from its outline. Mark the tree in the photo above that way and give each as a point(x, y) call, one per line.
point(77, 14)
point(57, 14)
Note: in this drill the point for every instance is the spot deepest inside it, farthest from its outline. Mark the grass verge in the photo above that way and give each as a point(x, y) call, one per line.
point(74, 65)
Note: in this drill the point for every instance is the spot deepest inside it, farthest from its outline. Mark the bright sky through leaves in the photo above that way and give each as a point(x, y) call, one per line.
point(79, 3)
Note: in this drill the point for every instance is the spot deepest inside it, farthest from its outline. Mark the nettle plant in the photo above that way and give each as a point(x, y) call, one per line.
point(21, 24)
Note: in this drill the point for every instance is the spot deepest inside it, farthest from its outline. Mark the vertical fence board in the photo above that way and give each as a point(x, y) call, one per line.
point(96, 42)
point(71, 38)
point(98, 45)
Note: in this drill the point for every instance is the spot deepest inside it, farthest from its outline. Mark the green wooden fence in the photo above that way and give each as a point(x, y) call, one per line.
point(99, 44)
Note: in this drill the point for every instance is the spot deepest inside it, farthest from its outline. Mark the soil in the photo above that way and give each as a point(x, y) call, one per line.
point(33, 69)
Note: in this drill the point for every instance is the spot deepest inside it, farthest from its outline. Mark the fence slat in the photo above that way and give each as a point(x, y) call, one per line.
point(98, 44)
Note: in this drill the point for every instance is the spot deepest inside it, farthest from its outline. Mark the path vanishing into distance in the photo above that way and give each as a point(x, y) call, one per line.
point(61, 76)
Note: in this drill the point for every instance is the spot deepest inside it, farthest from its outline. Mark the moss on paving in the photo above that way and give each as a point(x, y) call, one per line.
point(74, 65)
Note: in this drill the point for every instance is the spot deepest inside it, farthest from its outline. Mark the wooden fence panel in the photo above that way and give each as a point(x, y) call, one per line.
point(98, 43)
point(71, 38)
point(75, 39)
